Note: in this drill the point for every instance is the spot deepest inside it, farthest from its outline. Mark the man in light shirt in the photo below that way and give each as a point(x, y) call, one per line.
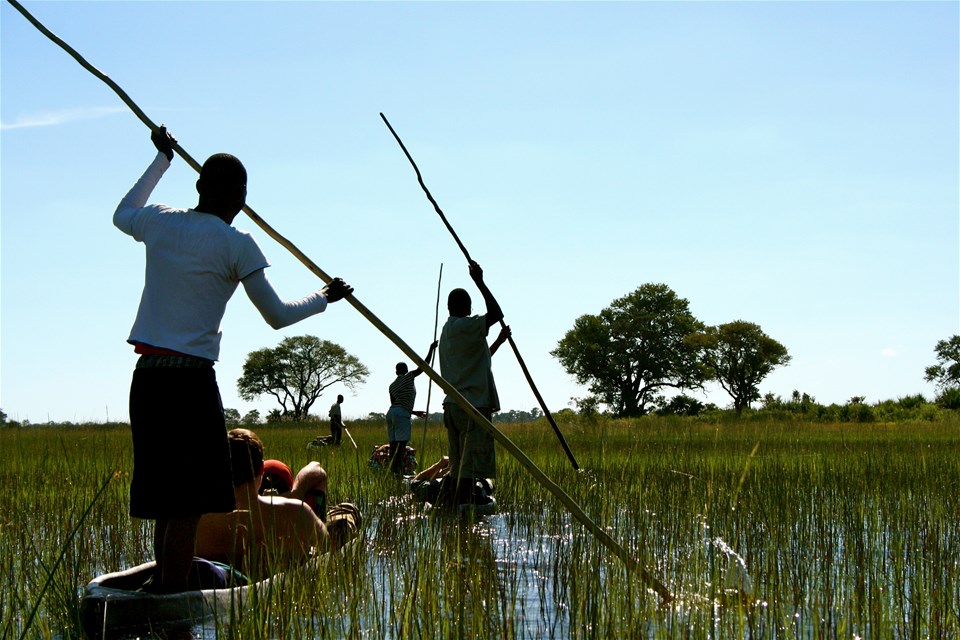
point(195, 259)
point(465, 364)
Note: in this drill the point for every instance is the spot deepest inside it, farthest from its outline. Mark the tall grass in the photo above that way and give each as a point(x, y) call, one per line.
point(762, 529)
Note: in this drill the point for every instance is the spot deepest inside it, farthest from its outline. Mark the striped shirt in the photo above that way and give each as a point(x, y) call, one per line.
point(403, 393)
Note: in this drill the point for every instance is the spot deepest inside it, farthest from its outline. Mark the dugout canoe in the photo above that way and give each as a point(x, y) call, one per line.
point(114, 604)
point(111, 605)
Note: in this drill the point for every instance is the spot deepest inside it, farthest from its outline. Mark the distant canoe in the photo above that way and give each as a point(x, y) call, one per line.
point(112, 606)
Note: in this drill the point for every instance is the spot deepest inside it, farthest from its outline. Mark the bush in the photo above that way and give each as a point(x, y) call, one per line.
point(912, 402)
point(682, 405)
point(949, 398)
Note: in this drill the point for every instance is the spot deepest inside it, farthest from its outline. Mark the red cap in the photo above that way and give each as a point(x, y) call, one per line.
point(276, 475)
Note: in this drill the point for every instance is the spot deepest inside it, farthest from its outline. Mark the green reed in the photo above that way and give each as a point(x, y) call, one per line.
point(842, 530)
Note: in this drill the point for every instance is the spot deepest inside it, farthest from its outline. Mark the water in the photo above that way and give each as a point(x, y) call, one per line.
point(531, 560)
point(531, 585)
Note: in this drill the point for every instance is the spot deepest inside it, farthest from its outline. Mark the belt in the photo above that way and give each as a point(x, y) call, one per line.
point(150, 361)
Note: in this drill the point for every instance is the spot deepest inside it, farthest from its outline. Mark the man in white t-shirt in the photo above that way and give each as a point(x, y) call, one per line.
point(195, 259)
point(465, 364)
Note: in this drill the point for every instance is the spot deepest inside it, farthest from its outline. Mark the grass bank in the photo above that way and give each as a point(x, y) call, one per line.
point(774, 529)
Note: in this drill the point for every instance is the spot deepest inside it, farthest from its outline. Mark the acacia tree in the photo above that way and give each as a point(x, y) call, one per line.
point(633, 349)
point(946, 373)
point(297, 371)
point(740, 355)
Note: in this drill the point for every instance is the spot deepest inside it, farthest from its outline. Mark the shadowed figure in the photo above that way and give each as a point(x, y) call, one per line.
point(195, 260)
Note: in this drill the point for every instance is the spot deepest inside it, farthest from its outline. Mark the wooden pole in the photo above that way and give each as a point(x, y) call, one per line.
point(602, 536)
point(513, 345)
point(436, 320)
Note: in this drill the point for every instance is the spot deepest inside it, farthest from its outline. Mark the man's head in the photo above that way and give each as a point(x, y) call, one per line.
point(246, 455)
point(339, 399)
point(222, 185)
point(458, 303)
point(401, 368)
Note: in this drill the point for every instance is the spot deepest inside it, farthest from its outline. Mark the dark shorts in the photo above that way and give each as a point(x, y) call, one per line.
point(181, 459)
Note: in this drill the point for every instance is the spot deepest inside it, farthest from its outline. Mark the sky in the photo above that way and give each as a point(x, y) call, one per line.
point(793, 164)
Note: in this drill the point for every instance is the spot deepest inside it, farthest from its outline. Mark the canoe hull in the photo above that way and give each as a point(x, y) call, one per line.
point(111, 605)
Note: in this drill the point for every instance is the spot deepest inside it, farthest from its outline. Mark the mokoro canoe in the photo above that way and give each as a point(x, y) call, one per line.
point(111, 604)
point(115, 603)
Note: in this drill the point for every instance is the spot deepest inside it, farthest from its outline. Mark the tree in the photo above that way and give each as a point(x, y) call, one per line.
point(231, 417)
point(251, 418)
point(740, 355)
point(946, 373)
point(297, 372)
point(633, 349)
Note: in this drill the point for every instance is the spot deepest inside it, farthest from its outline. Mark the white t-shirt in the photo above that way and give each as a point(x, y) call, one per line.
point(194, 263)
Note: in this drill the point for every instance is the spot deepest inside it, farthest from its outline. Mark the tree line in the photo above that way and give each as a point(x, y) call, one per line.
point(648, 343)
point(642, 354)
point(638, 356)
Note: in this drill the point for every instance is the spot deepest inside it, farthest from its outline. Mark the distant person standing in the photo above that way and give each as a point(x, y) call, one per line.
point(336, 421)
point(194, 261)
point(403, 393)
point(465, 364)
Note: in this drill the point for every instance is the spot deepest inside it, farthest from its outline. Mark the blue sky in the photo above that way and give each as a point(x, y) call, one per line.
point(789, 164)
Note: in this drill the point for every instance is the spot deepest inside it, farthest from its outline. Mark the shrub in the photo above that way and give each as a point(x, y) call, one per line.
point(912, 402)
point(682, 405)
point(949, 398)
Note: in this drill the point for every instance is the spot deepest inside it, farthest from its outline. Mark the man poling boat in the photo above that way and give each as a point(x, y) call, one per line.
point(466, 254)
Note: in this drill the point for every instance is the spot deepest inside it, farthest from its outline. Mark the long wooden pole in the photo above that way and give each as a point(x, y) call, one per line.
point(436, 321)
point(513, 345)
point(602, 536)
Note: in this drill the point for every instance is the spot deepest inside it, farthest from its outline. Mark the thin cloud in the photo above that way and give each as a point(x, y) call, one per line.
point(56, 118)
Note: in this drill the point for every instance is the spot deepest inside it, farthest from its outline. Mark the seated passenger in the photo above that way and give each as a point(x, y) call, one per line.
point(277, 478)
point(435, 486)
point(267, 533)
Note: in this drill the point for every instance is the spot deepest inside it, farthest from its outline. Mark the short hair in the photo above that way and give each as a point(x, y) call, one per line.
point(402, 368)
point(458, 302)
point(221, 174)
point(339, 398)
point(246, 455)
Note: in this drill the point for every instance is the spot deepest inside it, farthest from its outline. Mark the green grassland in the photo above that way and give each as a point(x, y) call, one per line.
point(762, 529)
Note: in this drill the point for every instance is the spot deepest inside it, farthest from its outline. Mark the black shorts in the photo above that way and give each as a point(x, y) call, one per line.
point(181, 459)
